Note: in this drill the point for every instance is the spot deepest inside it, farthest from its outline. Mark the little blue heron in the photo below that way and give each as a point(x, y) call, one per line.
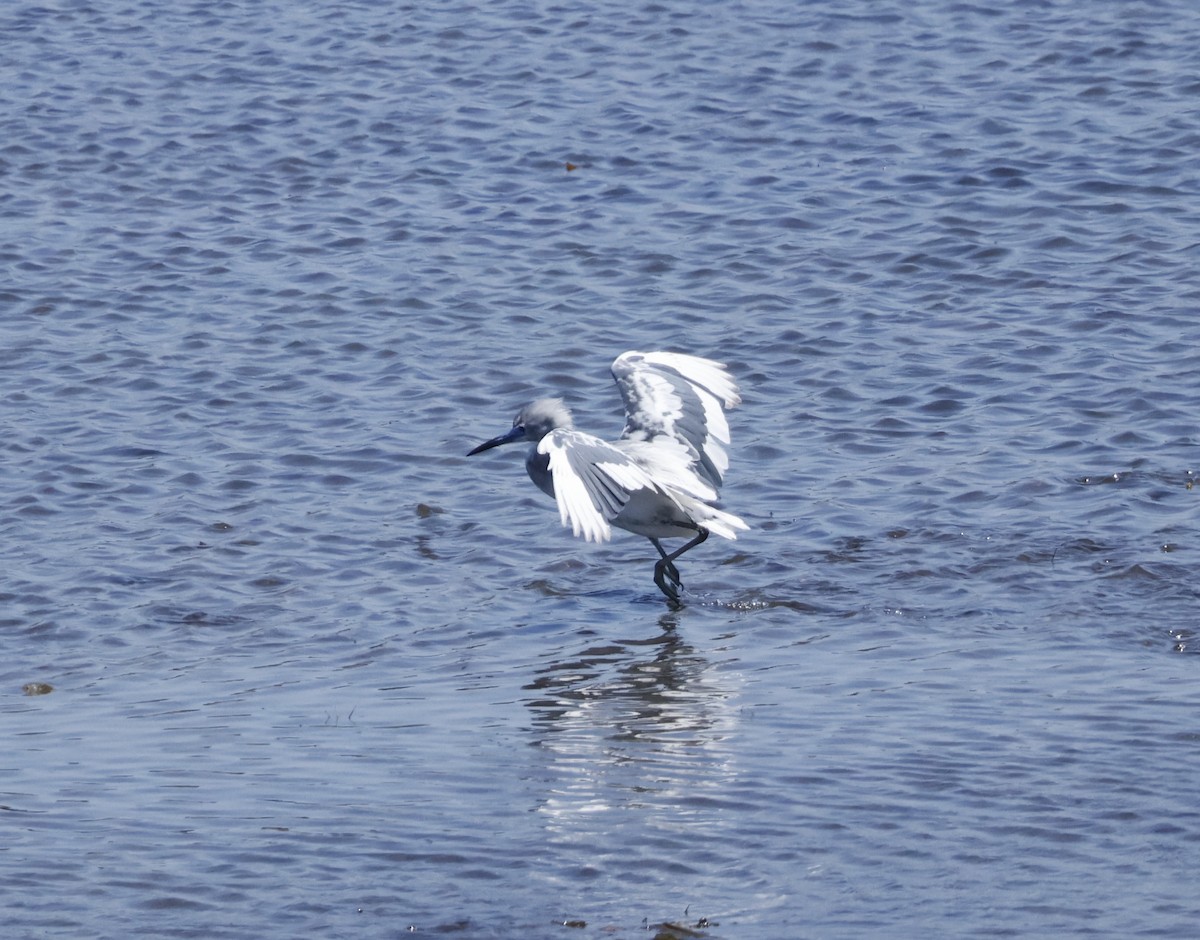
point(660, 478)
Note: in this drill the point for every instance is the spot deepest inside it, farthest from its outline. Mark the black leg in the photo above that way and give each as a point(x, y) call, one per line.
point(665, 568)
point(666, 564)
point(669, 588)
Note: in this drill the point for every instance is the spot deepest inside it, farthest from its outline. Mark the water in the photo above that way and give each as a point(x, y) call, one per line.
point(270, 270)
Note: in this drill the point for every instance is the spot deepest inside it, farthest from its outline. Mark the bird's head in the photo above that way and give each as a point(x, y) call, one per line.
point(532, 423)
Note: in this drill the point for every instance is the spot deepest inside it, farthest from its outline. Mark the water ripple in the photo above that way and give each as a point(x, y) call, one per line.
point(270, 270)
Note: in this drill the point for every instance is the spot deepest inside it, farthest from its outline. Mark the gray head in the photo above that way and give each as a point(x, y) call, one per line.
point(532, 423)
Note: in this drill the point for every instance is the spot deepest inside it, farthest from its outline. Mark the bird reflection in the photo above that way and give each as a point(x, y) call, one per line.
point(644, 681)
point(630, 722)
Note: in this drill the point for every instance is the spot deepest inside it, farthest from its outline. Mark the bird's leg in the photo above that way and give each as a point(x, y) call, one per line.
point(663, 570)
point(669, 588)
point(666, 567)
point(701, 535)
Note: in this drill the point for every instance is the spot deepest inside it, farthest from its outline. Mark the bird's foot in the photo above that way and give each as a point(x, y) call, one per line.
point(666, 576)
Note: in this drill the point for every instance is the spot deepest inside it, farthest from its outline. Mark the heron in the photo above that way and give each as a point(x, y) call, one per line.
point(660, 478)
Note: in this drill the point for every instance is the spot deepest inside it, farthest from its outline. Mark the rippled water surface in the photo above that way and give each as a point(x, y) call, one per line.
point(280, 661)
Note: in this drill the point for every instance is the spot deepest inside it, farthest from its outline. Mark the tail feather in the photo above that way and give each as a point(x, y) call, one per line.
point(717, 521)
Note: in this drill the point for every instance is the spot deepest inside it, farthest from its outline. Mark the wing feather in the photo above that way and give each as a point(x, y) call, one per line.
point(682, 398)
point(593, 481)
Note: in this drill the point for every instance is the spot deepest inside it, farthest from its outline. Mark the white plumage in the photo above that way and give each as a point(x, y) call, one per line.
point(660, 478)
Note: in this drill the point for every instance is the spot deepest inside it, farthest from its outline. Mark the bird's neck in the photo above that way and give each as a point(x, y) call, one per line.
point(537, 465)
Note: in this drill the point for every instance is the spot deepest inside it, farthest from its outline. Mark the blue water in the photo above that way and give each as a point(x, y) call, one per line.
point(280, 661)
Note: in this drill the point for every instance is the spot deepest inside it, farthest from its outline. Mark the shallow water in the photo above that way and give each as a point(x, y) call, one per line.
point(270, 270)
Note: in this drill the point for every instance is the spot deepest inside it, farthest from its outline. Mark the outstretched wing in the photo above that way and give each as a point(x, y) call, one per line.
point(592, 481)
point(680, 397)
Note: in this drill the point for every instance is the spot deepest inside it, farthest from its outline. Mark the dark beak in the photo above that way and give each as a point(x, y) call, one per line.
point(515, 434)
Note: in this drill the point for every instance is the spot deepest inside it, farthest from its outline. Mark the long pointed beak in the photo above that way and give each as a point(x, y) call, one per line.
point(514, 435)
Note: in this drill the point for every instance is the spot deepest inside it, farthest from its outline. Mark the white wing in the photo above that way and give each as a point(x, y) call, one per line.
point(680, 397)
point(592, 481)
